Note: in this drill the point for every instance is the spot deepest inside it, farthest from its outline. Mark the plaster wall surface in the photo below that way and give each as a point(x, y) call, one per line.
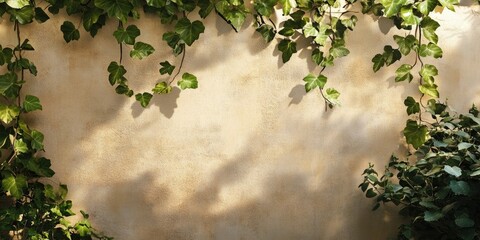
point(248, 155)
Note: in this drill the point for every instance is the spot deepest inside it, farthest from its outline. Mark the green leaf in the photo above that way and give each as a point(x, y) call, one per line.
point(412, 105)
point(391, 55)
point(166, 68)
point(427, 6)
point(188, 81)
point(475, 173)
point(117, 73)
point(449, 4)
point(392, 7)
point(311, 82)
point(428, 71)
point(143, 98)
point(430, 90)
point(234, 13)
point(403, 73)
point(128, 35)
point(267, 32)
point(91, 17)
point(430, 50)
point(83, 228)
point(378, 62)
point(317, 56)
point(14, 185)
point(332, 96)
point(162, 87)
point(287, 6)
point(429, 26)
point(188, 31)
point(464, 145)
point(206, 6)
point(339, 51)
point(20, 146)
point(40, 166)
point(8, 85)
point(17, 4)
point(37, 140)
point(8, 113)
point(70, 33)
point(464, 221)
point(415, 134)
point(24, 15)
point(141, 50)
point(156, 3)
point(432, 216)
point(31, 103)
point(309, 30)
point(288, 48)
point(115, 8)
point(370, 193)
point(459, 187)
point(40, 15)
point(264, 7)
point(409, 18)
point(405, 44)
point(454, 171)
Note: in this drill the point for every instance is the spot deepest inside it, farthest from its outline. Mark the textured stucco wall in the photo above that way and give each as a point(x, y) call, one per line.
point(248, 155)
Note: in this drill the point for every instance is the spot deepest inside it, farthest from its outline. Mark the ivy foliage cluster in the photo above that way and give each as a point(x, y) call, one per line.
point(34, 210)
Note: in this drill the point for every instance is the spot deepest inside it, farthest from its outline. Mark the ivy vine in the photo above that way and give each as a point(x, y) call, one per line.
point(35, 210)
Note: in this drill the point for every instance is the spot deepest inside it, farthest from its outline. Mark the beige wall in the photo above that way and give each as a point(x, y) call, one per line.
point(248, 155)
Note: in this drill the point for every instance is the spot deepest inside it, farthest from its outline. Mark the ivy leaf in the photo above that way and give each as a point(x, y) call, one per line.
point(162, 87)
point(40, 166)
point(17, 4)
point(234, 13)
point(459, 187)
point(31, 103)
point(430, 50)
point(317, 56)
point(339, 51)
point(143, 98)
point(8, 113)
point(454, 171)
point(166, 68)
point(428, 71)
point(287, 6)
point(115, 8)
point(188, 81)
point(37, 140)
point(430, 90)
point(188, 31)
point(14, 185)
point(156, 3)
point(311, 82)
point(392, 7)
point(464, 221)
point(70, 33)
point(449, 4)
point(117, 73)
point(406, 13)
point(141, 50)
point(267, 32)
point(8, 85)
point(426, 6)
point(264, 7)
point(378, 62)
point(20, 146)
point(463, 145)
point(287, 47)
point(403, 73)
point(309, 30)
point(415, 134)
point(412, 105)
point(405, 44)
point(24, 15)
point(206, 6)
point(40, 15)
point(432, 216)
point(391, 55)
point(332, 96)
point(370, 193)
point(429, 26)
point(127, 35)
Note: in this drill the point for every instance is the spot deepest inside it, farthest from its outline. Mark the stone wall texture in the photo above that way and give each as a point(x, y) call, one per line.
point(248, 155)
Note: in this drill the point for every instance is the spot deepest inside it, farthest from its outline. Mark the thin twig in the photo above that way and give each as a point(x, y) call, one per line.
point(179, 68)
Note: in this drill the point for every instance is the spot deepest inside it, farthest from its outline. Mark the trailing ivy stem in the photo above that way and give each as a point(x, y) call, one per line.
point(120, 25)
point(273, 24)
point(180, 67)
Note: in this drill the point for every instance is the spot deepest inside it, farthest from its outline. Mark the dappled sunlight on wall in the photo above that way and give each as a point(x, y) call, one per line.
point(248, 155)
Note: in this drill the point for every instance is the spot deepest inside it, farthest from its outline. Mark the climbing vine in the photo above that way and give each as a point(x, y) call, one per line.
point(35, 210)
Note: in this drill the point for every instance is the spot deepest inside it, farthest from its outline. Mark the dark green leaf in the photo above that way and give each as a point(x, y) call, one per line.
point(40, 166)
point(415, 134)
point(127, 35)
point(206, 6)
point(188, 31)
point(144, 98)
point(166, 68)
point(31, 103)
point(370, 193)
point(317, 56)
point(459, 187)
point(14, 185)
point(429, 26)
point(70, 33)
point(141, 50)
point(267, 32)
point(412, 105)
point(378, 62)
point(24, 15)
point(287, 47)
point(40, 15)
point(8, 85)
point(117, 73)
point(431, 216)
point(264, 7)
point(188, 81)
point(115, 8)
point(464, 221)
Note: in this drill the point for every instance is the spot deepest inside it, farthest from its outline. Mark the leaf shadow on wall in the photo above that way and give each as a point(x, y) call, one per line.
point(166, 103)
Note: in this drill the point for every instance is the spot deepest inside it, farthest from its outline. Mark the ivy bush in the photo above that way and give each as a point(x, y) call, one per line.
point(437, 185)
point(32, 209)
